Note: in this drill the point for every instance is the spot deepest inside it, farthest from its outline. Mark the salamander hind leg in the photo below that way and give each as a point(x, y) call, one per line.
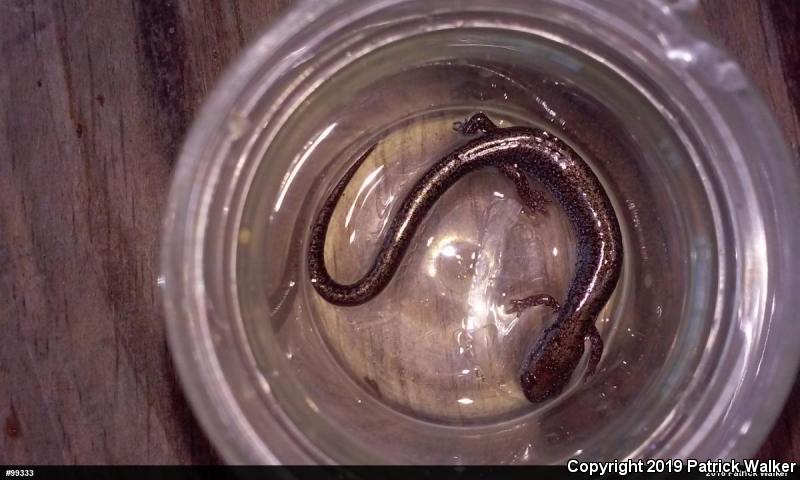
point(522, 304)
point(478, 123)
point(535, 201)
point(596, 342)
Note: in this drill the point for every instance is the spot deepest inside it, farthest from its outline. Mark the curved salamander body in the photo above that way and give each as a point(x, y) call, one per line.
point(515, 151)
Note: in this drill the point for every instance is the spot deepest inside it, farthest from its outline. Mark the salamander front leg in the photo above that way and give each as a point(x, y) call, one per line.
point(478, 123)
point(535, 201)
point(596, 342)
point(522, 304)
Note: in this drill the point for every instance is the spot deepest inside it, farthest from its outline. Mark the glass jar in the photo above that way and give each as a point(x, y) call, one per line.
point(701, 341)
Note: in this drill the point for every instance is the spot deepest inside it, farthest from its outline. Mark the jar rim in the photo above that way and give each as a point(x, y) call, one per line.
point(187, 292)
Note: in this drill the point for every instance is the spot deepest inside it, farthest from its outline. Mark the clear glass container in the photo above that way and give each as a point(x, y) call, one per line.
point(701, 335)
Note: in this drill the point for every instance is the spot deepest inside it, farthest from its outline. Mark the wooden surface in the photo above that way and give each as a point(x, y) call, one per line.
point(95, 98)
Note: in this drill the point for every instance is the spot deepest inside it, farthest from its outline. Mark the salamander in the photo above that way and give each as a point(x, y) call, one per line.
point(516, 152)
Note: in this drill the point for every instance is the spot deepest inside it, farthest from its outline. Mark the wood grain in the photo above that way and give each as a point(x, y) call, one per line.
point(95, 98)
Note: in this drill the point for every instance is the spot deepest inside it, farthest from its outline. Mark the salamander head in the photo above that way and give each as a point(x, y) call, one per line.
point(549, 364)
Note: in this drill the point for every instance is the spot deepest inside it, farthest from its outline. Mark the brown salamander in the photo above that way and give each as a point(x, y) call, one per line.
point(515, 151)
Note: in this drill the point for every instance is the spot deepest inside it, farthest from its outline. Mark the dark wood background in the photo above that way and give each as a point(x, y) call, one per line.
point(95, 97)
